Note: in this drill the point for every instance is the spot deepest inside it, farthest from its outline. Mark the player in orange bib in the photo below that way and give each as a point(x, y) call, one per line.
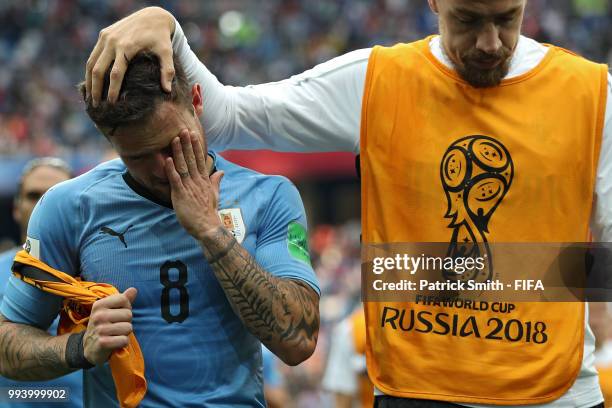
point(472, 137)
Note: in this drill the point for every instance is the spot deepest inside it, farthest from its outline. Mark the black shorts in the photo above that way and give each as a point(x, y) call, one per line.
point(385, 401)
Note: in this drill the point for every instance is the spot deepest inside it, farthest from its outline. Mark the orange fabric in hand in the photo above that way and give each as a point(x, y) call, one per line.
point(127, 363)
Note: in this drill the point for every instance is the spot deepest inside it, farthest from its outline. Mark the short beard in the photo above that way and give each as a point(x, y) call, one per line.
point(480, 78)
point(484, 78)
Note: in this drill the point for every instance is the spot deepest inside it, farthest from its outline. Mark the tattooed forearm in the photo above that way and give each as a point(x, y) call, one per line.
point(282, 313)
point(30, 354)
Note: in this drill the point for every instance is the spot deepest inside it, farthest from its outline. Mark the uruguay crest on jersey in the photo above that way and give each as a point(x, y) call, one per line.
point(233, 221)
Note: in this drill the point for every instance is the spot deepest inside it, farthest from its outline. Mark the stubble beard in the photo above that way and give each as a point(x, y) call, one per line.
point(484, 78)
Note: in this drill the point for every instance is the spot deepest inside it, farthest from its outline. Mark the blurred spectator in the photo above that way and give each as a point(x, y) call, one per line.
point(346, 375)
point(37, 177)
point(335, 253)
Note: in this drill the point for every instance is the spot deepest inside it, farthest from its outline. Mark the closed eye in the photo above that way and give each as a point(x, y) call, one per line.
point(465, 17)
point(467, 21)
point(135, 158)
point(505, 20)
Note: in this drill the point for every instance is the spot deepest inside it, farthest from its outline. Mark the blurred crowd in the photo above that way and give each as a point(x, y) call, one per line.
point(44, 45)
point(335, 254)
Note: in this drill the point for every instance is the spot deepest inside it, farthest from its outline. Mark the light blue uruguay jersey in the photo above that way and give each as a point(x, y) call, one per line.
point(105, 228)
point(72, 383)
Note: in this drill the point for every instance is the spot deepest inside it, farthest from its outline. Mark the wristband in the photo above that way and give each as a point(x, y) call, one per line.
point(75, 353)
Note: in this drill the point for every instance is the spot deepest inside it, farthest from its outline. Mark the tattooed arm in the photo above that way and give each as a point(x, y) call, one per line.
point(29, 353)
point(283, 313)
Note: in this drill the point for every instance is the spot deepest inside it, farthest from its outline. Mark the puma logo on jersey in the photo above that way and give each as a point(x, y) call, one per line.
point(111, 232)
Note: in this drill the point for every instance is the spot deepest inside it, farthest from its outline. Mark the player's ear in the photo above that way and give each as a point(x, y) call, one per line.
point(433, 5)
point(196, 99)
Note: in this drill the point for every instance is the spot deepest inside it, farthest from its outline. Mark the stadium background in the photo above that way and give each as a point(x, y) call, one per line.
point(44, 45)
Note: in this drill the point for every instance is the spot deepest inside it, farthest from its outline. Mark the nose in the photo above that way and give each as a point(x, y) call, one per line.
point(488, 39)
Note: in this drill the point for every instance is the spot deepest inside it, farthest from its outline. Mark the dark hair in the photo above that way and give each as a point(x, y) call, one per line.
point(53, 162)
point(140, 95)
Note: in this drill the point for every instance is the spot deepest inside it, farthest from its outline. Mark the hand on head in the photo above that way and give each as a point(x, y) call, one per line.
point(148, 29)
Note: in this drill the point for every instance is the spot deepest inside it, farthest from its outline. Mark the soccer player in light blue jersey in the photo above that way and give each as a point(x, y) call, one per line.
point(37, 177)
point(208, 269)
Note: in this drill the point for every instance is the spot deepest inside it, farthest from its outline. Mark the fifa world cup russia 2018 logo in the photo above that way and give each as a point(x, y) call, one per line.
point(476, 174)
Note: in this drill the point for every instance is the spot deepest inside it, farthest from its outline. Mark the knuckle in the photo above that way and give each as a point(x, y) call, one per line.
point(165, 52)
point(124, 46)
point(105, 342)
point(115, 73)
point(102, 330)
point(97, 317)
point(129, 50)
point(97, 71)
point(93, 320)
point(121, 341)
point(100, 317)
point(120, 317)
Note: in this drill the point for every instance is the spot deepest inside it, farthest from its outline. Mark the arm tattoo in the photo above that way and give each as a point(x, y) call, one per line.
point(282, 313)
point(31, 354)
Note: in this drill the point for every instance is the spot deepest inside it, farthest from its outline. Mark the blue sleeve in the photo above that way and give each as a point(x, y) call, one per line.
point(6, 261)
point(282, 241)
point(52, 239)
